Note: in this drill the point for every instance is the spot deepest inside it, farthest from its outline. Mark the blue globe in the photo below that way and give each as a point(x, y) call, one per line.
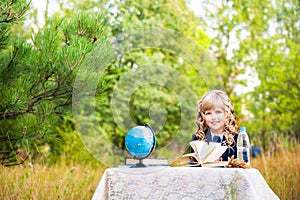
point(140, 141)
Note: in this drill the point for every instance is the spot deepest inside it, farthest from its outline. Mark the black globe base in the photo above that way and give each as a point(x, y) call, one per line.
point(139, 164)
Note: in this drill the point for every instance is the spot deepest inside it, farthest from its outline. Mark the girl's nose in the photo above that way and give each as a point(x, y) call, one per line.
point(214, 115)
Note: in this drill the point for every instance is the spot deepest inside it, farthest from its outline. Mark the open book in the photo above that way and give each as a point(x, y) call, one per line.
point(206, 154)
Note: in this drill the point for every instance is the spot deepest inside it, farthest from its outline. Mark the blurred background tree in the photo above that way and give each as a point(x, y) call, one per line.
point(129, 17)
point(257, 49)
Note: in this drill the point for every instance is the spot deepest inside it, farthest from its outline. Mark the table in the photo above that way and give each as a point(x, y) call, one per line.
point(183, 183)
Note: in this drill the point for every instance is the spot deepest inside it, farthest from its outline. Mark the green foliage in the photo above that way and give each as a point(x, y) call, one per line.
point(275, 101)
point(37, 81)
point(267, 43)
point(130, 17)
point(10, 13)
point(69, 145)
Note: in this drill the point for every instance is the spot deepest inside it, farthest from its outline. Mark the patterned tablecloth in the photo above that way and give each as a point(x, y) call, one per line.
point(183, 183)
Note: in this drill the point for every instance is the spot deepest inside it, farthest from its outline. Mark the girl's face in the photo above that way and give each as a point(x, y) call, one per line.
point(215, 119)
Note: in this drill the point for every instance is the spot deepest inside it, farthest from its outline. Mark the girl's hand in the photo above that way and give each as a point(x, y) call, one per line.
point(220, 159)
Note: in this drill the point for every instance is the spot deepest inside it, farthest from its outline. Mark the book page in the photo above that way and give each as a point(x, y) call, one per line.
point(202, 148)
point(215, 153)
point(191, 155)
point(207, 152)
point(191, 163)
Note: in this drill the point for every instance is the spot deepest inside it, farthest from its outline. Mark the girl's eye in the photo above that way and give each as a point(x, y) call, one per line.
point(207, 113)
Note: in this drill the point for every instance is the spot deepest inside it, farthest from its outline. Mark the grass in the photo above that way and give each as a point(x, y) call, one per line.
point(281, 171)
point(59, 181)
point(74, 181)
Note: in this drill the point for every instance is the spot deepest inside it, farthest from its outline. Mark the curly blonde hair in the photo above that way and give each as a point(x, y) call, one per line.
point(212, 99)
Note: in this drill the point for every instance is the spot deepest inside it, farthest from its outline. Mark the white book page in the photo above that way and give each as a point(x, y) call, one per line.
point(215, 154)
point(202, 148)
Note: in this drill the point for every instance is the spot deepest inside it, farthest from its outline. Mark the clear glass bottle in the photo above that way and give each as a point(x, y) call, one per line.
point(243, 146)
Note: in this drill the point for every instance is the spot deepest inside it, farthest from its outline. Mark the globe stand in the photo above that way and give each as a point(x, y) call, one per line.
point(139, 164)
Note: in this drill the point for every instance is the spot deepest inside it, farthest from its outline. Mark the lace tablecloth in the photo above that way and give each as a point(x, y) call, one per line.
point(183, 183)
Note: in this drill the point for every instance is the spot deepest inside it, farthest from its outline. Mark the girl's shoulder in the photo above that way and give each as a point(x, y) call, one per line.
point(236, 136)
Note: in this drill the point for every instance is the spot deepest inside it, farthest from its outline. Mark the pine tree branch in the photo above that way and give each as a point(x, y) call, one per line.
point(80, 31)
point(10, 15)
point(36, 82)
point(7, 137)
point(72, 69)
point(95, 32)
point(46, 95)
point(13, 104)
point(12, 59)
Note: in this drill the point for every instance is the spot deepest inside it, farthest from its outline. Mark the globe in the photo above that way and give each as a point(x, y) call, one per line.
point(140, 141)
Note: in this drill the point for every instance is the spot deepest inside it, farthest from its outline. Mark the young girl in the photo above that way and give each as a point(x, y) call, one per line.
point(216, 122)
